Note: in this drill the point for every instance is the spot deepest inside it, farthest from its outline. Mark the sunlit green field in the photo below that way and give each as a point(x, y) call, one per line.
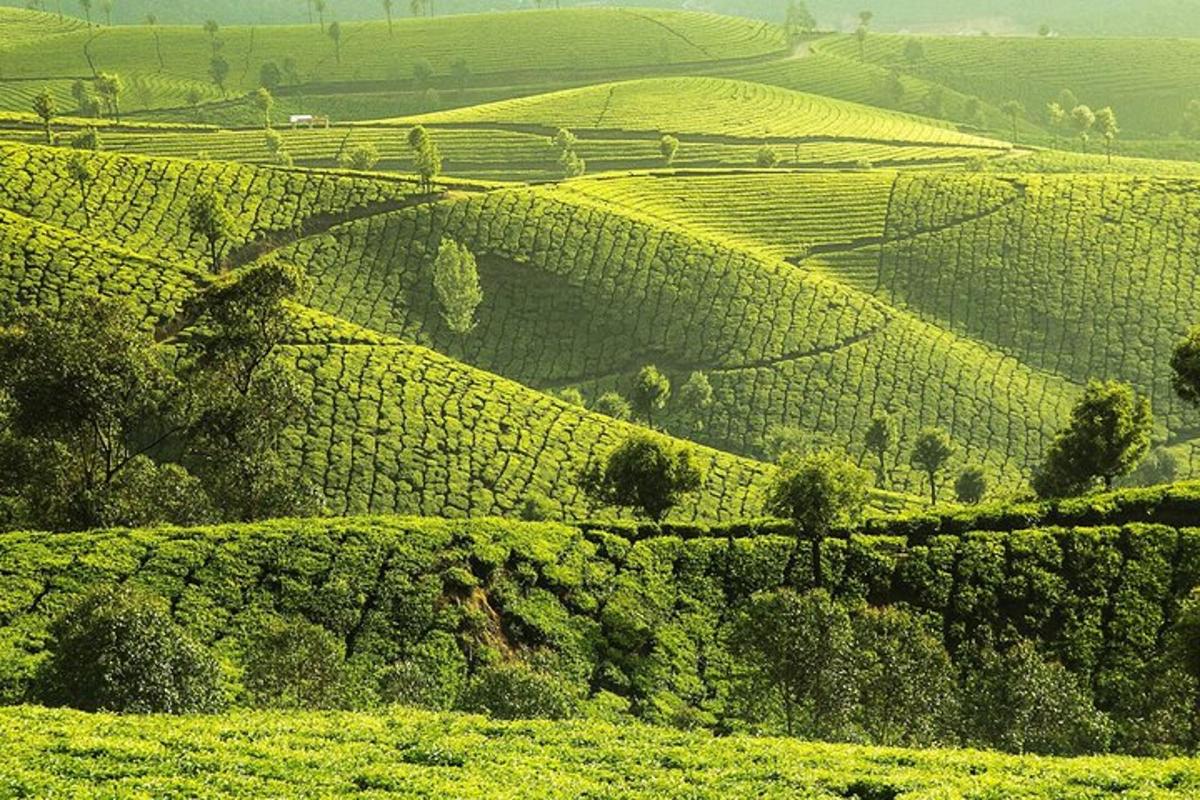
point(416, 754)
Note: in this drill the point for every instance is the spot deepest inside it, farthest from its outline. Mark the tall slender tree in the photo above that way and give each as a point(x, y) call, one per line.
point(45, 107)
point(387, 9)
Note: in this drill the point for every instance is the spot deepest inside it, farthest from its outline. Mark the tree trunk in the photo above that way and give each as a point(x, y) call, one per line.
point(933, 488)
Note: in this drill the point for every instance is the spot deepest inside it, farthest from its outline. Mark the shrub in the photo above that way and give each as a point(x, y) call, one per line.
point(294, 664)
point(514, 690)
point(431, 676)
point(645, 472)
point(1020, 702)
point(118, 650)
point(798, 649)
point(908, 693)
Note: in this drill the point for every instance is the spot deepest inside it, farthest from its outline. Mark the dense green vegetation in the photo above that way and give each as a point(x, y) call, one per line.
point(414, 753)
point(297, 320)
point(611, 614)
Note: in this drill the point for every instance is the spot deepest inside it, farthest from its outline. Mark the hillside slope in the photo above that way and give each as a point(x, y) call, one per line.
point(393, 427)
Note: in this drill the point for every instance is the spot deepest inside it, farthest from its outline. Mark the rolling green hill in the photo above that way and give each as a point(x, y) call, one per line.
point(411, 753)
point(394, 427)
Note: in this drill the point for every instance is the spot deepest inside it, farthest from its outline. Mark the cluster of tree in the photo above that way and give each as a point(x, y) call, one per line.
point(1067, 113)
point(570, 165)
point(103, 426)
point(805, 664)
point(117, 649)
point(798, 21)
point(820, 669)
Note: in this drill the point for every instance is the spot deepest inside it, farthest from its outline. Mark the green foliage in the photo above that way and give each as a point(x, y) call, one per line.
point(647, 473)
point(456, 282)
point(879, 439)
point(694, 399)
point(118, 650)
point(1107, 436)
point(294, 664)
point(432, 675)
point(651, 391)
point(930, 453)
point(83, 392)
point(1025, 704)
point(819, 492)
point(668, 146)
point(972, 485)
point(799, 649)
point(427, 159)
point(363, 156)
point(210, 221)
point(515, 690)
point(1185, 367)
point(907, 685)
point(612, 404)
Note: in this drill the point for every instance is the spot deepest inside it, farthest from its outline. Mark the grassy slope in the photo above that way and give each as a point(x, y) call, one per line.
point(410, 753)
point(568, 44)
point(395, 427)
point(707, 107)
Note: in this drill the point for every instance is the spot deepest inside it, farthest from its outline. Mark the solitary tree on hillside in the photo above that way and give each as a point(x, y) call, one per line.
point(818, 492)
point(212, 222)
point(1191, 120)
point(864, 26)
point(335, 33)
point(569, 162)
point(1107, 435)
point(109, 86)
point(1044, 30)
point(668, 146)
point(426, 158)
point(971, 486)
point(218, 70)
point(107, 7)
point(152, 23)
point(264, 102)
point(456, 283)
point(695, 397)
point(86, 5)
point(79, 169)
point(44, 107)
point(651, 390)
point(319, 5)
point(211, 28)
point(1083, 119)
point(1056, 118)
point(1185, 367)
point(1106, 123)
point(647, 473)
point(387, 9)
point(914, 51)
point(1013, 110)
point(929, 454)
point(879, 439)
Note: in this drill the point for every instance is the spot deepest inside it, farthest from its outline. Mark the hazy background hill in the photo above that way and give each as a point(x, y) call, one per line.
point(1069, 17)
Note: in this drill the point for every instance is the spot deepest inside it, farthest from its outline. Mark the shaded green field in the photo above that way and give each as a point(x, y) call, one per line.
point(416, 754)
point(1148, 82)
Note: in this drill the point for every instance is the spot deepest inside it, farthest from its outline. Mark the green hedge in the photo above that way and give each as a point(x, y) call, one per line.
point(644, 619)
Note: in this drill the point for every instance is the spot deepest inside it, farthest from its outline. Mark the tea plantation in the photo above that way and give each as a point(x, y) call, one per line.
point(404, 405)
point(419, 754)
